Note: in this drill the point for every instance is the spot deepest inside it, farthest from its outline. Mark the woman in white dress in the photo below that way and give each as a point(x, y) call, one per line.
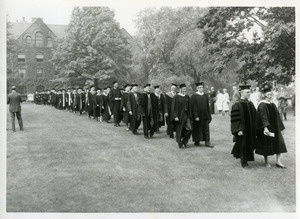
point(219, 101)
point(225, 102)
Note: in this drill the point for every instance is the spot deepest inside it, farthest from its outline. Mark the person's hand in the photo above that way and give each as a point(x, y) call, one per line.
point(130, 112)
point(124, 109)
point(88, 104)
point(209, 121)
point(176, 119)
point(266, 131)
point(197, 119)
point(240, 133)
point(166, 114)
point(102, 107)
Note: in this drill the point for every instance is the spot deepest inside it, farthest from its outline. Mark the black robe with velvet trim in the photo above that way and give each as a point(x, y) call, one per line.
point(243, 118)
point(268, 116)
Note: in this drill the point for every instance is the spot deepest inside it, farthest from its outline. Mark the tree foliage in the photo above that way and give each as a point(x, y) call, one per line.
point(172, 47)
point(94, 48)
point(268, 55)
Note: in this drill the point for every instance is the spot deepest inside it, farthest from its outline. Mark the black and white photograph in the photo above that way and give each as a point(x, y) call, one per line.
point(136, 109)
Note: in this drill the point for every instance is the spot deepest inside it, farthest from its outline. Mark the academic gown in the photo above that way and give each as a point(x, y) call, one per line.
point(181, 109)
point(160, 110)
point(115, 104)
point(268, 116)
point(168, 107)
point(243, 118)
point(98, 104)
point(133, 106)
point(149, 114)
point(123, 105)
point(200, 108)
point(105, 108)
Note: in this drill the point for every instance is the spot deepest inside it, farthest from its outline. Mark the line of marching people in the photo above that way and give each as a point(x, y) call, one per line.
point(184, 115)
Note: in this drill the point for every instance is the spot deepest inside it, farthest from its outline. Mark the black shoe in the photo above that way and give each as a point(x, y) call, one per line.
point(146, 136)
point(280, 166)
point(197, 143)
point(151, 135)
point(245, 165)
point(14, 130)
point(171, 136)
point(180, 145)
point(21, 129)
point(185, 144)
point(135, 132)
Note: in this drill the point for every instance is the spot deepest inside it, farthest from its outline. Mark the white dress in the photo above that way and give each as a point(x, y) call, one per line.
point(226, 102)
point(219, 101)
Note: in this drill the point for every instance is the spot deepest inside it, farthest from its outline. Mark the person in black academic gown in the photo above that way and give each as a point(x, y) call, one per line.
point(98, 104)
point(124, 107)
point(160, 107)
point(243, 127)
point(115, 97)
point(105, 107)
point(168, 111)
point(201, 116)
point(181, 115)
point(133, 108)
point(148, 107)
point(269, 125)
point(212, 97)
point(91, 102)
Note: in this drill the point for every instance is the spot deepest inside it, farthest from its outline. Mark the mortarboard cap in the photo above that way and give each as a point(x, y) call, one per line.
point(199, 84)
point(156, 86)
point(134, 85)
point(114, 82)
point(182, 85)
point(147, 85)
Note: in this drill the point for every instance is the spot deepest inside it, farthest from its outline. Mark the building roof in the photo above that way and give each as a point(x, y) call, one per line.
point(18, 28)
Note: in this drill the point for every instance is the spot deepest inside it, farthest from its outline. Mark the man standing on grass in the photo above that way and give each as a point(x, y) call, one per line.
point(148, 106)
point(181, 115)
point(168, 106)
point(14, 100)
point(115, 97)
point(133, 108)
point(201, 116)
point(243, 127)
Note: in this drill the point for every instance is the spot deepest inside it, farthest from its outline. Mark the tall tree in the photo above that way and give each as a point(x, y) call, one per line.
point(268, 55)
point(94, 49)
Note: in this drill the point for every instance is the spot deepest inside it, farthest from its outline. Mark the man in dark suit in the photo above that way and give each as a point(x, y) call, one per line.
point(14, 100)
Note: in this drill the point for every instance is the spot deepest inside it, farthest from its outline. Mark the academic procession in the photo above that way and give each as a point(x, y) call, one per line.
point(256, 124)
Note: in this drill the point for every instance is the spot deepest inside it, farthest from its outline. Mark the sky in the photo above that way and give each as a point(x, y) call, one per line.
point(60, 14)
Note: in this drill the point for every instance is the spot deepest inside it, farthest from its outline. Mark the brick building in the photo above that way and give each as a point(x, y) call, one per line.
point(30, 61)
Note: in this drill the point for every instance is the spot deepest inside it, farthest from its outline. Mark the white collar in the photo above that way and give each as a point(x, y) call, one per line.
point(199, 93)
point(181, 94)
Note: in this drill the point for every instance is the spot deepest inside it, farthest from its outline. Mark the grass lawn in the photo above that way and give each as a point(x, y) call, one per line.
point(64, 162)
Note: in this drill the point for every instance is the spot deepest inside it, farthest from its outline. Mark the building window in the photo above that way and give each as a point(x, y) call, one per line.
point(28, 40)
point(21, 57)
point(39, 39)
point(22, 72)
point(39, 57)
point(49, 42)
point(39, 71)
